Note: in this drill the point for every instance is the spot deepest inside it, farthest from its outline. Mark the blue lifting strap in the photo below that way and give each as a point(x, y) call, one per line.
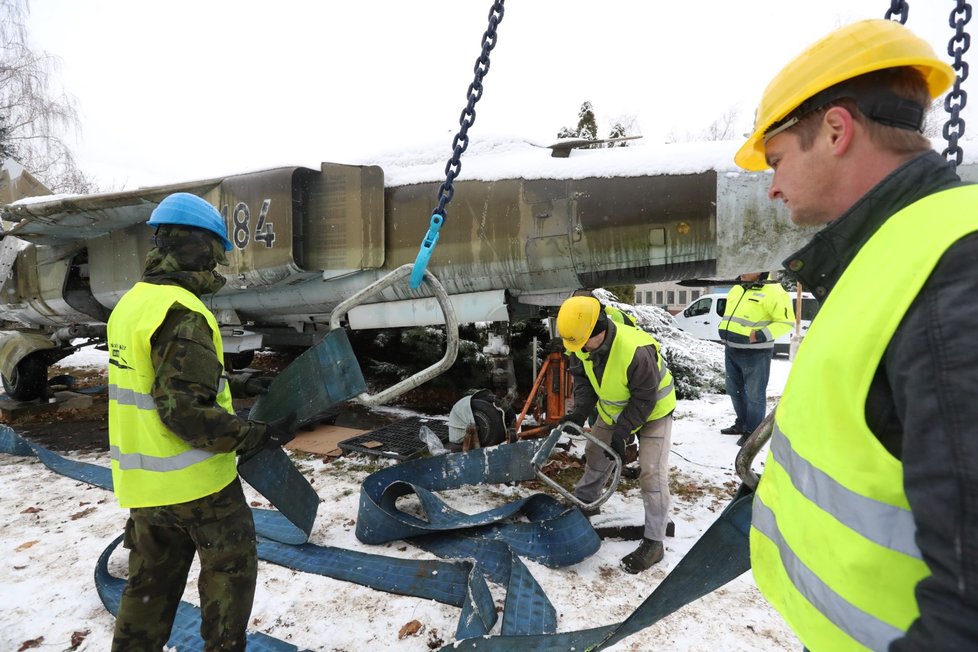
point(185, 634)
point(719, 556)
point(552, 534)
point(449, 582)
point(324, 375)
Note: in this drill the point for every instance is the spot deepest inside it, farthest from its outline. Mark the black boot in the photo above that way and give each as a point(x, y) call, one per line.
point(732, 430)
point(594, 511)
point(649, 552)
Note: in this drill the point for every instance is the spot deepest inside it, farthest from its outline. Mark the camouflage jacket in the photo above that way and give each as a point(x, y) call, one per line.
point(188, 371)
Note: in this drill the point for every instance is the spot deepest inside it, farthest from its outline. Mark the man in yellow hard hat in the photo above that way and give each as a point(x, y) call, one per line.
point(619, 369)
point(865, 521)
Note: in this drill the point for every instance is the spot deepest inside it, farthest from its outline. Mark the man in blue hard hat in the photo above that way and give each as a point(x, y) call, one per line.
point(174, 436)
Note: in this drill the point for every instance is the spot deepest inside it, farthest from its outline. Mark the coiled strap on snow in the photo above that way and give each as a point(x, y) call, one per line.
point(718, 557)
point(185, 634)
point(552, 534)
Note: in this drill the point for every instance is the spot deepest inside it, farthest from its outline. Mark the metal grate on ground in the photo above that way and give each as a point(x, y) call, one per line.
point(399, 441)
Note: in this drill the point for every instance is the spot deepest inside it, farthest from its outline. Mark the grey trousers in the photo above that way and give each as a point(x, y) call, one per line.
point(654, 441)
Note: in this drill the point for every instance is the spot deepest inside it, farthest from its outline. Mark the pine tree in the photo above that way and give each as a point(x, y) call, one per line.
point(587, 125)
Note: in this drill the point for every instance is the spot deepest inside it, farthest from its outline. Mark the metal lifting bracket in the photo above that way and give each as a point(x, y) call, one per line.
point(543, 454)
point(451, 332)
point(755, 442)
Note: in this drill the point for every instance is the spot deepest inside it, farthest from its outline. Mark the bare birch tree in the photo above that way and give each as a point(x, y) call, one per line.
point(34, 118)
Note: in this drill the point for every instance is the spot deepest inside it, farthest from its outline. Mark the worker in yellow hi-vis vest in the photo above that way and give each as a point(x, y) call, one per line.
point(756, 314)
point(865, 521)
point(620, 369)
point(174, 439)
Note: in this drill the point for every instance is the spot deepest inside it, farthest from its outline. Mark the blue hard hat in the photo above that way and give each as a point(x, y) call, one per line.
point(190, 210)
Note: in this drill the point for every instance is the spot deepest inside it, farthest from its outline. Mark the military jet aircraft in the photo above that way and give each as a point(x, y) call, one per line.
point(528, 224)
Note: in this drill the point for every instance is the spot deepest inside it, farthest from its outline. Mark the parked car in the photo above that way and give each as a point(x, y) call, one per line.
point(702, 317)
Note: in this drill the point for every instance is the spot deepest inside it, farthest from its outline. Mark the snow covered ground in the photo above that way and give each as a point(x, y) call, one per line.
point(55, 528)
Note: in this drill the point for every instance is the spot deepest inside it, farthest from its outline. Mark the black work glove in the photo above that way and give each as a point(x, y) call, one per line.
point(257, 386)
point(574, 417)
point(619, 441)
point(280, 432)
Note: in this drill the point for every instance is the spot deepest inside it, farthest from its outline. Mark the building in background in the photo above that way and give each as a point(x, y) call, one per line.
point(669, 296)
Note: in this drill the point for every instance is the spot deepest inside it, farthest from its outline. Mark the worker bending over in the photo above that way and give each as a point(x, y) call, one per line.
point(620, 369)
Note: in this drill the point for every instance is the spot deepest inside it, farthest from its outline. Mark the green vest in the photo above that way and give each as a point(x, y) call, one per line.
point(151, 465)
point(767, 309)
point(619, 316)
point(613, 391)
point(832, 538)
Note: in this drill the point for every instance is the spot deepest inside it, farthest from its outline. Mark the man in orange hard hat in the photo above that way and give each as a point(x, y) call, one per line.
point(865, 521)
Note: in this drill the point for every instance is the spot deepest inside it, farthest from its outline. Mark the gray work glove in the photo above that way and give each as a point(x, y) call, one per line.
point(280, 431)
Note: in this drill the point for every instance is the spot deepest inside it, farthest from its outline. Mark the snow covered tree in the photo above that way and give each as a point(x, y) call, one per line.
point(587, 125)
point(35, 118)
point(696, 365)
point(621, 127)
point(623, 293)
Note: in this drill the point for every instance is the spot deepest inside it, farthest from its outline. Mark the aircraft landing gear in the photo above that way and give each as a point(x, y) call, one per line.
point(29, 380)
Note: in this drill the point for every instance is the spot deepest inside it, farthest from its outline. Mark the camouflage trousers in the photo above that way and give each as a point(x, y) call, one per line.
point(162, 542)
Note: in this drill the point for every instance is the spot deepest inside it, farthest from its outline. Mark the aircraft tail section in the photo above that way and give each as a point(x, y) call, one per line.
point(16, 183)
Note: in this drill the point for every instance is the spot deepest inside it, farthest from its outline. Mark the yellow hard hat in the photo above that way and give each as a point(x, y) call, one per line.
point(576, 321)
point(849, 52)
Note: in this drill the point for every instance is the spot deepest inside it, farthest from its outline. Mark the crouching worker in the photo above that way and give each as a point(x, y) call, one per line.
point(173, 436)
point(621, 369)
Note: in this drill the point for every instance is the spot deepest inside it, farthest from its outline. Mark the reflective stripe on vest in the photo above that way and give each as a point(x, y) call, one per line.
point(754, 313)
point(150, 464)
point(613, 393)
point(832, 541)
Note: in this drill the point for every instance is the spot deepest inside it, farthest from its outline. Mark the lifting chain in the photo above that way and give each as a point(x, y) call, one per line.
point(956, 99)
point(900, 9)
point(459, 144)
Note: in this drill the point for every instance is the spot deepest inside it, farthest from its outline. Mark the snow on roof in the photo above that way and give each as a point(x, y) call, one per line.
point(492, 158)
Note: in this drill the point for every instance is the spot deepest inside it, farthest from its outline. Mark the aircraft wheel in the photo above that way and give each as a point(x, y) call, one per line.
point(29, 380)
point(489, 422)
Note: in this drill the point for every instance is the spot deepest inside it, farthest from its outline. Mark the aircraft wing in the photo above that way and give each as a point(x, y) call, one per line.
point(63, 219)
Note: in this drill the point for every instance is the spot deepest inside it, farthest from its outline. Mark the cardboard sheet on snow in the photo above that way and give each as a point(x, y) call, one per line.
point(323, 440)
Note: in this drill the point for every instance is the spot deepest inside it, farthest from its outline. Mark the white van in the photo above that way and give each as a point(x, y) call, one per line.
point(702, 317)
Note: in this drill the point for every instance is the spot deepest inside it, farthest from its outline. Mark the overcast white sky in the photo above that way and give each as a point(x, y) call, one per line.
point(180, 90)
